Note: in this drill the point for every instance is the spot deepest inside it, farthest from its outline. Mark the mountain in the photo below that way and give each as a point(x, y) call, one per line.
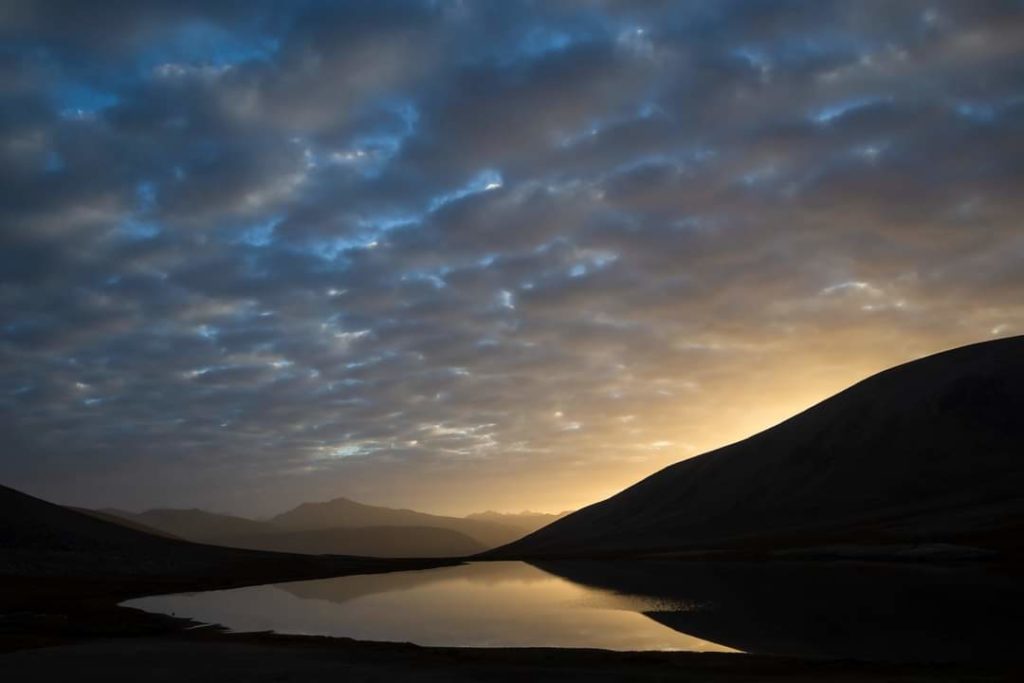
point(345, 527)
point(367, 541)
point(41, 539)
point(342, 512)
point(927, 452)
point(384, 540)
point(525, 522)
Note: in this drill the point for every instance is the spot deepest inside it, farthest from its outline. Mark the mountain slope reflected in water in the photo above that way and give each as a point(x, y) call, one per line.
point(842, 610)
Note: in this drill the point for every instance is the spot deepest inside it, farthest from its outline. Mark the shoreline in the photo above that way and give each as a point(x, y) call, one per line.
point(209, 653)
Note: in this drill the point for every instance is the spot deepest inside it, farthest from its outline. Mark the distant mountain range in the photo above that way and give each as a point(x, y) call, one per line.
point(43, 540)
point(341, 526)
point(526, 521)
point(342, 512)
point(926, 457)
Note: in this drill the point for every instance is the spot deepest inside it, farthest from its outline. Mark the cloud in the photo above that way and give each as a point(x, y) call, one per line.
point(462, 256)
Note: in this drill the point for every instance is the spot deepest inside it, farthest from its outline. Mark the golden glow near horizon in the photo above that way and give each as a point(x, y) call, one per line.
point(748, 394)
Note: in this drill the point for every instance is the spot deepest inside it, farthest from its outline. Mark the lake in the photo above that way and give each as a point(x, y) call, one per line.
point(847, 610)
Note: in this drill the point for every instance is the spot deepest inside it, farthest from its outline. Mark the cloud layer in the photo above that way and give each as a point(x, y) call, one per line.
point(466, 255)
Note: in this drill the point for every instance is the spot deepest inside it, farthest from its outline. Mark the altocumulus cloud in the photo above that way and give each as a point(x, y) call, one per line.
point(459, 255)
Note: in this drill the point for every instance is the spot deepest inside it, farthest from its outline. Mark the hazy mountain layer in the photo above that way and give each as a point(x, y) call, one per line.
point(193, 524)
point(525, 522)
point(122, 518)
point(342, 512)
point(375, 541)
point(340, 526)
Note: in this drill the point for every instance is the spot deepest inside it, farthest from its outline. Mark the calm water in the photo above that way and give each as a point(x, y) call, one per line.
point(865, 612)
point(482, 604)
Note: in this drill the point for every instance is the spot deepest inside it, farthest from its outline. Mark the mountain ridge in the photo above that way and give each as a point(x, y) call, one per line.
point(45, 540)
point(337, 526)
point(345, 512)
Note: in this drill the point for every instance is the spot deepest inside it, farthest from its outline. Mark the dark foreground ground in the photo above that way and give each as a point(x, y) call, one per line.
point(66, 630)
point(218, 657)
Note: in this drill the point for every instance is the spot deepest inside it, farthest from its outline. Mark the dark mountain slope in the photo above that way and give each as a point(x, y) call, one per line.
point(929, 451)
point(342, 512)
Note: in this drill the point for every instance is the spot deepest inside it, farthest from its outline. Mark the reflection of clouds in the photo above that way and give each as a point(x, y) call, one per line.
point(369, 251)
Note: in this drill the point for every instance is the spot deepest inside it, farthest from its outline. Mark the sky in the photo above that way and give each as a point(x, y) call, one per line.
point(459, 256)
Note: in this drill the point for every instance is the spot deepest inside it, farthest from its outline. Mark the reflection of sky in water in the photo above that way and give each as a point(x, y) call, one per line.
point(488, 604)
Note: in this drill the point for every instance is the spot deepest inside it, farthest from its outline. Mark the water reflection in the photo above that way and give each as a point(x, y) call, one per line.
point(841, 610)
point(477, 605)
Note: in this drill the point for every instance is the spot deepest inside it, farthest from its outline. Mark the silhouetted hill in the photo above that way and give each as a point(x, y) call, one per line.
point(524, 522)
point(373, 541)
point(926, 452)
point(342, 512)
